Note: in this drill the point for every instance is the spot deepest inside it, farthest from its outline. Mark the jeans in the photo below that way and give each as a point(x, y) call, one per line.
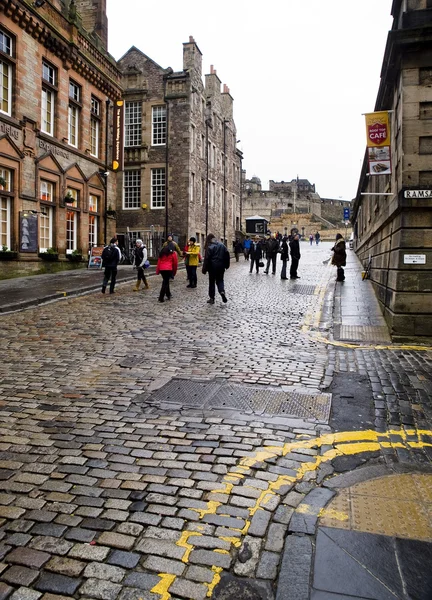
point(216, 277)
point(192, 276)
point(284, 268)
point(294, 267)
point(254, 261)
point(271, 260)
point(246, 253)
point(110, 273)
point(165, 289)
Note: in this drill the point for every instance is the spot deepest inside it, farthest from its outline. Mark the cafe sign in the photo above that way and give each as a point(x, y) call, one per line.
point(378, 142)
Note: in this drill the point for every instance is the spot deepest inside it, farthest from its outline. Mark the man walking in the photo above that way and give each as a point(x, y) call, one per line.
point(255, 254)
point(295, 256)
point(111, 256)
point(139, 261)
point(272, 252)
point(246, 247)
point(284, 256)
point(216, 262)
point(317, 237)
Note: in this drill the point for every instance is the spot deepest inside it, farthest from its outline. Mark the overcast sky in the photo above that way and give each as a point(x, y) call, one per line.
point(301, 72)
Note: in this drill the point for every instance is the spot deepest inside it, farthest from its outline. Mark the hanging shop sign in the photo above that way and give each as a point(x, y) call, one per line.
point(117, 163)
point(378, 143)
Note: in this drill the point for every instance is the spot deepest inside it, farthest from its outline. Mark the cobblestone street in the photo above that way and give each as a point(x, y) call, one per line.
point(110, 490)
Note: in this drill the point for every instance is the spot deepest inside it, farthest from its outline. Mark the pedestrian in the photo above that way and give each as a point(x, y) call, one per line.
point(111, 256)
point(256, 255)
point(317, 237)
point(238, 249)
point(216, 262)
point(272, 252)
point(339, 256)
point(246, 247)
point(284, 256)
point(311, 239)
point(173, 245)
point(167, 267)
point(139, 262)
point(192, 257)
point(295, 255)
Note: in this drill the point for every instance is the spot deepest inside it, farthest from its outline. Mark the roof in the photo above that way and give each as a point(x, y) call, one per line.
point(256, 218)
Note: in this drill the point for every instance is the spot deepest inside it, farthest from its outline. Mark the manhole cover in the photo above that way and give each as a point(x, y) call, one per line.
point(364, 333)
point(245, 399)
point(129, 362)
point(306, 290)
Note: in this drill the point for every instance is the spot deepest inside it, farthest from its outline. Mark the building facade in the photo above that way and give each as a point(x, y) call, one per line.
point(392, 214)
point(182, 169)
point(59, 84)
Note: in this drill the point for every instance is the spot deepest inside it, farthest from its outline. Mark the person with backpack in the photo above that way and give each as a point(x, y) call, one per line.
point(339, 256)
point(173, 245)
point(139, 262)
point(111, 256)
point(167, 267)
point(216, 262)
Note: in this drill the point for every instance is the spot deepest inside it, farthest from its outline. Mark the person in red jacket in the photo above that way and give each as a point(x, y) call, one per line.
point(167, 267)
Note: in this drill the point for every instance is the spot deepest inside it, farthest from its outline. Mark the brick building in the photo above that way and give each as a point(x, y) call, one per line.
point(182, 168)
point(392, 214)
point(58, 85)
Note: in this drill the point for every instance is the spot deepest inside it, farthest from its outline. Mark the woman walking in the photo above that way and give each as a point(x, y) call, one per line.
point(284, 256)
point(139, 263)
point(339, 256)
point(167, 267)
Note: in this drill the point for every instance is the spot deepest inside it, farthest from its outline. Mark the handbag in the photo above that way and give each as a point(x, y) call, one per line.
point(261, 264)
point(146, 264)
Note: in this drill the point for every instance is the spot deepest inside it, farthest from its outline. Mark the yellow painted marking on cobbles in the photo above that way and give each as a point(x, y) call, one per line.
point(359, 346)
point(343, 443)
point(306, 509)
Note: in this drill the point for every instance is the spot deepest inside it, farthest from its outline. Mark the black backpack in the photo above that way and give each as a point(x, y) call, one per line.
point(108, 253)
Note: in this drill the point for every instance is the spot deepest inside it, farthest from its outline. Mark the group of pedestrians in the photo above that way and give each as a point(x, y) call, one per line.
point(315, 237)
point(272, 247)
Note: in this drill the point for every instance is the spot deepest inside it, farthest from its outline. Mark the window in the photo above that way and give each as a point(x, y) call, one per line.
point(71, 231)
point(45, 229)
point(74, 92)
point(159, 125)
point(192, 194)
point(46, 191)
point(93, 203)
point(93, 230)
point(132, 189)
point(95, 126)
point(425, 76)
point(71, 198)
point(6, 174)
point(203, 191)
point(73, 125)
point(193, 135)
point(202, 147)
point(49, 81)
point(425, 145)
point(6, 48)
point(158, 188)
point(133, 121)
point(5, 222)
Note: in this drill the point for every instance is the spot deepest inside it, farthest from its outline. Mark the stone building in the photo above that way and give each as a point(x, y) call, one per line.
point(392, 214)
point(58, 85)
point(182, 168)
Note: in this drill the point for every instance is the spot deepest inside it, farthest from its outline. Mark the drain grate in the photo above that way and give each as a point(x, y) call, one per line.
point(220, 395)
point(305, 290)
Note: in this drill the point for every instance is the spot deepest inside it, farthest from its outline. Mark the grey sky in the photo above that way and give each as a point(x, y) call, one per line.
point(301, 72)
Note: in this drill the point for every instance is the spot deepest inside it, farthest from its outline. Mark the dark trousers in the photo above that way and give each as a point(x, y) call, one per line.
point(246, 253)
point(340, 274)
point(165, 288)
point(141, 276)
point(192, 276)
point(237, 256)
point(216, 277)
point(284, 267)
point(271, 260)
point(294, 267)
point(188, 273)
point(110, 273)
point(254, 261)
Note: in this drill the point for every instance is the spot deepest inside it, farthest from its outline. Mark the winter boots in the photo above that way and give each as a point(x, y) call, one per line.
point(137, 286)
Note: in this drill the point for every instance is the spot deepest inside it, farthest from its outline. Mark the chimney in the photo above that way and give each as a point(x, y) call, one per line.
point(227, 101)
point(192, 57)
point(94, 18)
point(212, 83)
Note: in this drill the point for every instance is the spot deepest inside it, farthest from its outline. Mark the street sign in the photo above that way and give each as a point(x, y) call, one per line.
point(346, 214)
point(414, 259)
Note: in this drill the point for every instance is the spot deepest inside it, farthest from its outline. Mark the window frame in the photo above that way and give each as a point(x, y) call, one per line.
point(49, 91)
point(7, 63)
point(133, 124)
point(93, 229)
point(7, 175)
point(132, 193)
point(49, 215)
point(95, 128)
point(159, 125)
point(157, 190)
point(71, 240)
point(5, 238)
point(49, 193)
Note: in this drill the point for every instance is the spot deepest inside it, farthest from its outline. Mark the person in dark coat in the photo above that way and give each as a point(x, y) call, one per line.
point(238, 249)
point(216, 262)
point(295, 255)
point(111, 256)
point(272, 252)
point(255, 254)
point(284, 256)
point(339, 256)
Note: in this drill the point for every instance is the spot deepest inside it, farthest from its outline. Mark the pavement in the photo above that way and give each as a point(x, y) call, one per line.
point(277, 447)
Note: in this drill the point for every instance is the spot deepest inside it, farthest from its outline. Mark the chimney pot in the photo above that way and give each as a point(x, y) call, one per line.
point(191, 39)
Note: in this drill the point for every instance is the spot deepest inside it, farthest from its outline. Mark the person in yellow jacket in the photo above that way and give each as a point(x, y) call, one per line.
point(192, 260)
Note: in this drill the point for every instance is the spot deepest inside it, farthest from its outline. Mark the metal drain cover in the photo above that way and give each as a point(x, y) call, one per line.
point(306, 290)
point(215, 395)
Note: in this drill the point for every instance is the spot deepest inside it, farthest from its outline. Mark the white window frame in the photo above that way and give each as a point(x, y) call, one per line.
point(73, 125)
point(71, 231)
point(93, 203)
point(49, 73)
point(159, 125)
point(74, 193)
point(47, 190)
point(47, 112)
point(5, 221)
point(46, 225)
point(132, 189)
point(133, 124)
point(94, 136)
point(6, 74)
point(74, 91)
point(93, 229)
point(157, 182)
point(7, 175)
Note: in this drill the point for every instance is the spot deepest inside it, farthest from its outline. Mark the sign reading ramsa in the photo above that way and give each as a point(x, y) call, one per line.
point(418, 194)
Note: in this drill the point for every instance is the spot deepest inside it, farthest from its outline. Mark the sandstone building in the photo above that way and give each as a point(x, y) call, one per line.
point(182, 168)
point(59, 84)
point(395, 230)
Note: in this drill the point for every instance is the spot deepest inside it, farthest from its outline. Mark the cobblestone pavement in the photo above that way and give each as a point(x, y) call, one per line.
point(104, 494)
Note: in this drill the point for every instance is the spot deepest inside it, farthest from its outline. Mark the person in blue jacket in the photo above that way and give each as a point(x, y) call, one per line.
point(246, 247)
